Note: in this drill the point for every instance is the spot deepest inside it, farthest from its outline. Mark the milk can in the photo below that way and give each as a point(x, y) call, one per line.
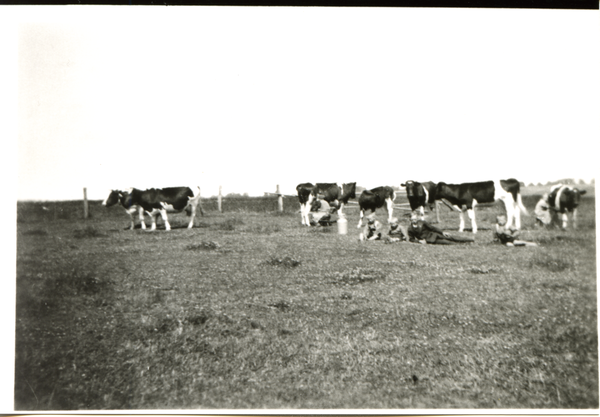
point(342, 225)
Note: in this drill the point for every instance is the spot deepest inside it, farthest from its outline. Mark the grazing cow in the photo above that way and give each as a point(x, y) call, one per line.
point(157, 201)
point(472, 193)
point(333, 193)
point(565, 199)
point(376, 198)
point(419, 194)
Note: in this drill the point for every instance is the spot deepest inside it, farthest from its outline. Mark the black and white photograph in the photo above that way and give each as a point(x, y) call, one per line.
point(301, 210)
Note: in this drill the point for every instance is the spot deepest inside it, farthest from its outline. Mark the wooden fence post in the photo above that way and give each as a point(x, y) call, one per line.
point(279, 200)
point(85, 204)
point(219, 200)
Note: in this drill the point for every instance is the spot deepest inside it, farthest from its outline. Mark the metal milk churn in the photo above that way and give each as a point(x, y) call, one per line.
point(342, 224)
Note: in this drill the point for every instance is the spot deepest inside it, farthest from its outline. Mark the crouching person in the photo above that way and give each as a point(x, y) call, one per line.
point(397, 232)
point(425, 233)
point(372, 230)
point(544, 213)
point(508, 236)
point(320, 212)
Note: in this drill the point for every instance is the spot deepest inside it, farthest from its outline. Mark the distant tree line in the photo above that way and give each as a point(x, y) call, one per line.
point(566, 181)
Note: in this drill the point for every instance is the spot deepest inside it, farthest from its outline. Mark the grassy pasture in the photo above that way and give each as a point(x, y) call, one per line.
point(251, 310)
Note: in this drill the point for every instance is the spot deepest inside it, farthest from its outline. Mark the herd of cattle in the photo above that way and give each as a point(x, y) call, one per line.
point(562, 199)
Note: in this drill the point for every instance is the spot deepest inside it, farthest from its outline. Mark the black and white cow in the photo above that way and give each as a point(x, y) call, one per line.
point(420, 194)
point(376, 198)
point(472, 193)
point(336, 195)
point(155, 201)
point(565, 199)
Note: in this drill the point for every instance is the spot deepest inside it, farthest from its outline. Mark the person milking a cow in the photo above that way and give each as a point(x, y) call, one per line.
point(508, 236)
point(320, 212)
point(545, 214)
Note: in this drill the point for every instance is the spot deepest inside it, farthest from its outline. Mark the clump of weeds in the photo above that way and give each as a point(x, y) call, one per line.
point(280, 305)
point(482, 270)
point(286, 262)
point(230, 224)
point(204, 245)
point(357, 276)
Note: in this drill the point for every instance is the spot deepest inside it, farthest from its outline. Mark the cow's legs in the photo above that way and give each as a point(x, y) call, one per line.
point(422, 211)
point(565, 220)
point(390, 208)
point(574, 218)
point(307, 207)
point(362, 213)
point(512, 213)
point(131, 218)
point(192, 216)
point(461, 226)
point(163, 214)
point(305, 215)
point(517, 216)
point(471, 213)
point(340, 211)
point(141, 215)
point(153, 219)
point(302, 214)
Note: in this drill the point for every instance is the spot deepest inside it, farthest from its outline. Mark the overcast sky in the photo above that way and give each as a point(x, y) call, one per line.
point(247, 98)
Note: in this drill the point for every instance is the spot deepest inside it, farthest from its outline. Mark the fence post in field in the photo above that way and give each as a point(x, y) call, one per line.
point(219, 200)
point(279, 200)
point(85, 204)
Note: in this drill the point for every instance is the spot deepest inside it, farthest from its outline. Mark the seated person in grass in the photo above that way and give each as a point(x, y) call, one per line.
point(397, 232)
point(372, 230)
point(507, 236)
point(544, 213)
point(320, 212)
point(423, 232)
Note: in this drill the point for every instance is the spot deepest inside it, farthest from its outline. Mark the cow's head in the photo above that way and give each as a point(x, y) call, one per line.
point(571, 198)
point(118, 196)
point(348, 191)
point(113, 198)
point(413, 189)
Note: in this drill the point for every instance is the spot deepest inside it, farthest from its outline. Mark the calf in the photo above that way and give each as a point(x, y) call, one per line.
point(472, 193)
point(333, 193)
point(376, 198)
point(157, 201)
point(565, 199)
point(419, 194)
